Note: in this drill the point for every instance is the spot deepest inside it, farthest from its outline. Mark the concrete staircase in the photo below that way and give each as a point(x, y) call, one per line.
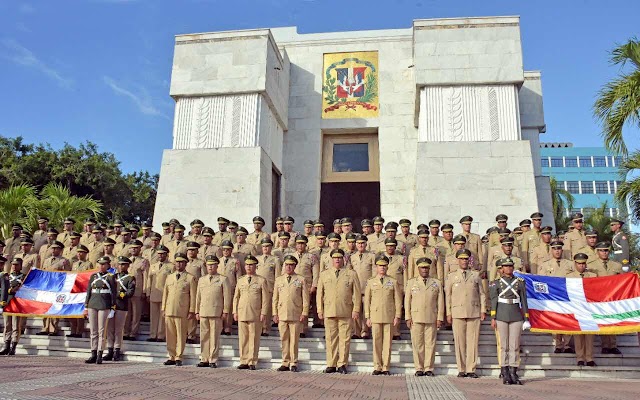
point(537, 358)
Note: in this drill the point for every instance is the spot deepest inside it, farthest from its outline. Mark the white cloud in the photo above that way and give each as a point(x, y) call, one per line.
point(22, 56)
point(141, 100)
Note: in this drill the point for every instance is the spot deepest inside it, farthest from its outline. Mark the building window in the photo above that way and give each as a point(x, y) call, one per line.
point(560, 185)
point(544, 161)
point(617, 186)
point(350, 157)
point(556, 162)
point(585, 162)
point(570, 162)
point(602, 187)
point(599, 161)
point(573, 187)
point(618, 161)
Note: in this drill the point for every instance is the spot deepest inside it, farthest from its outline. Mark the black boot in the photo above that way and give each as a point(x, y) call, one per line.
point(109, 355)
point(5, 350)
point(116, 356)
point(515, 379)
point(504, 373)
point(93, 358)
point(99, 359)
point(12, 352)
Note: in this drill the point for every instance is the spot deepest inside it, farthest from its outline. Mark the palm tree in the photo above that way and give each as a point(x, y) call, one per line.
point(57, 203)
point(629, 190)
point(599, 221)
point(618, 102)
point(15, 203)
point(561, 200)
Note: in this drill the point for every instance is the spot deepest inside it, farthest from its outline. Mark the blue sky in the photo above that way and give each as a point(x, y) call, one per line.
point(99, 70)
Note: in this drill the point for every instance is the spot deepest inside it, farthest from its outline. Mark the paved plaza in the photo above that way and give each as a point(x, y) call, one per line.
point(25, 377)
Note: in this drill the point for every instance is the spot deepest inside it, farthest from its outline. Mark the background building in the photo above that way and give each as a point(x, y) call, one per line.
point(590, 174)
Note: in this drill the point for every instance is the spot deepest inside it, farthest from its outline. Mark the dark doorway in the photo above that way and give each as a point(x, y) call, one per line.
point(357, 200)
point(275, 197)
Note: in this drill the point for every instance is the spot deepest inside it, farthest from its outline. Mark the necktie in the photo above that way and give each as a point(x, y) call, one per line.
point(390, 259)
point(424, 250)
point(249, 279)
point(381, 280)
point(425, 281)
point(288, 278)
point(581, 275)
point(177, 276)
point(360, 256)
point(210, 278)
point(558, 261)
point(464, 275)
point(337, 272)
point(605, 264)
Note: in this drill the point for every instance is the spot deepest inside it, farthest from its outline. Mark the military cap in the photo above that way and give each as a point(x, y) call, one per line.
point(208, 231)
point(351, 237)
point(434, 223)
point(196, 222)
point(42, 220)
point(249, 259)
point(284, 234)
point(492, 229)
point(258, 220)
point(57, 244)
point(266, 242)
point(320, 235)
point(591, 232)
point(109, 242)
point(378, 220)
point(52, 231)
point(124, 260)
point(211, 259)
point(366, 222)
point(242, 231)
point(422, 227)
point(226, 244)
point(318, 223)
point(75, 235)
point(467, 219)
point(117, 222)
point(546, 229)
point(447, 228)
point(166, 224)
point(90, 221)
point(83, 248)
point(536, 215)
point(381, 259)
point(233, 224)
point(390, 227)
point(127, 232)
point(333, 237)
point(174, 221)
point(499, 263)
point(289, 220)
point(501, 218)
point(96, 229)
point(404, 222)
point(346, 221)
point(179, 228)
point(337, 253)
point(223, 220)
point(517, 230)
point(560, 233)
point(525, 222)
point(603, 246)
point(16, 261)
point(279, 220)
point(181, 257)
point(507, 262)
point(69, 220)
point(360, 238)
point(308, 223)
point(104, 260)
point(506, 240)
point(146, 225)
point(162, 249)
point(581, 258)
point(463, 253)
point(155, 236)
point(290, 259)
point(193, 245)
point(458, 239)
point(423, 262)
point(616, 221)
point(301, 239)
point(423, 233)
point(103, 226)
point(504, 231)
point(484, 239)
point(133, 228)
point(390, 242)
point(337, 222)
point(25, 234)
point(577, 217)
point(26, 241)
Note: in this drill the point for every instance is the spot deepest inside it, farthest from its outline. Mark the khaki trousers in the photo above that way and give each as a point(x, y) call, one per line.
point(176, 336)
point(210, 329)
point(562, 341)
point(97, 326)
point(115, 329)
point(289, 337)
point(360, 327)
point(50, 325)
point(192, 328)
point(132, 324)
point(13, 327)
point(608, 341)
point(266, 327)
point(509, 338)
point(77, 325)
point(249, 338)
point(337, 333)
point(584, 347)
point(423, 341)
point(382, 339)
point(465, 335)
point(156, 327)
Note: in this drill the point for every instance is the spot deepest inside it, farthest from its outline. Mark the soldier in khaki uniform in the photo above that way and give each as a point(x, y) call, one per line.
point(139, 269)
point(542, 251)
point(290, 308)
point(282, 246)
point(363, 263)
point(178, 306)
point(383, 309)
point(405, 235)
point(494, 236)
point(255, 238)
point(583, 343)
point(96, 248)
point(326, 262)
point(40, 235)
point(54, 263)
point(591, 237)
point(46, 250)
point(575, 239)
point(507, 252)
point(366, 226)
point(146, 238)
point(71, 251)
point(213, 304)
point(531, 239)
point(451, 262)
point(87, 231)
point(320, 249)
point(207, 248)
point(156, 279)
point(269, 268)
point(474, 242)
point(223, 234)
point(424, 312)
point(275, 236)
point(434, 231)
point(197, 269)
point(196, 232)
point(123, 242)
point(397, 270)
point(251, 302)
point(466, 305)
point(242, 249)
point(308, 267)
point(117, 231)
point(151, 252)
point(308, 232)
point(420, 251)
point(229, 267)
point(377, 237)
point(12, 245)
point(178, 244)
point(339, 300)
point(30, 258)
point(65, 235)
point(81, 264)
point(167, 233)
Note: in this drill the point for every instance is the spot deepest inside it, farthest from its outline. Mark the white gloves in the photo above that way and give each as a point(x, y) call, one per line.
point(526, 326)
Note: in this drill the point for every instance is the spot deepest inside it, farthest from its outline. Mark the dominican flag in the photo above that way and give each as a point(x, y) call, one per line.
point(51, 294)
point(602, 305)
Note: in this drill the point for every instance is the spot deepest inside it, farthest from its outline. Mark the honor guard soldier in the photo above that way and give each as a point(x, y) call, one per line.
point(583, 343)
point(308, 267)
point(156, 280)
point(223, 234)
point(509, 313)
point(290, 309)
point(466, 305)
point(100, 301)
point(363, 263)
point(269, 268)
point(256, 237)
point(542, 252)
point(213, 304)
point(575, 239)
point(126, 288)
point(251, 302)
point(229, 267)
point(619, 242)
point(423, 250)
point(10, 282)
point(424, 312)
point(339, 300)
point(178, 306)
point(383, 309)
point(139, 269)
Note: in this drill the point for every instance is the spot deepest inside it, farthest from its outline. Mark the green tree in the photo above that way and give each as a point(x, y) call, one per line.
point(599, 221)
point(561, 201)
point(629, 190)
point(15, 205)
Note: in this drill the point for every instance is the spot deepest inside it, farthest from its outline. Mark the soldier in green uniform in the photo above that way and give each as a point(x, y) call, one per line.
point(509, 313)
point(10, 282)
point(101, 299)
point(126, 288)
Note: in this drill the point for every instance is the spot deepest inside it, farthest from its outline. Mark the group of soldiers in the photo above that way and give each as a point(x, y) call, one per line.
point(355, 285)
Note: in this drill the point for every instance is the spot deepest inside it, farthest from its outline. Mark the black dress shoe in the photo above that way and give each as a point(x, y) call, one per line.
point(293, 368)
point(462, 375)
point(330, 370)
point(343, 369)
point(355, 337)
point(376, 372)
point(303, 335)
point(264, 334)
point(161, 340)
point(243, 366)
point(472, 375)
point(252, 367)
point(274, 325)
point(152, 339)
point(169, 362)
point(317, 326)
point(580, 363)
point(386, 373)
point(282, 368)
point(52, 334)
point(419, 373)
point(191, 341)
point(397, 337)
point(429, 373)
point(226, 333)
point(615, 350)
point(364, 337)
point(213, 365)
point(41, 333)
point(178, 363)
point(591, 364)
point(569, 350)
point(202, 364)
point(557, 351)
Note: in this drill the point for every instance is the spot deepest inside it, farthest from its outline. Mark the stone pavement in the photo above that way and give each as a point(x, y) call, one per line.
point(25, 377)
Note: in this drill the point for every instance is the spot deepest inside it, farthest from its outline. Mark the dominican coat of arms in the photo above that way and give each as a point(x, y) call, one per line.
point(350, 85)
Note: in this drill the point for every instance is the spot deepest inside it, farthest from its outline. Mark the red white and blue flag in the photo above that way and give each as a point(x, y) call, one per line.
point(601, 305)
point(51, 294)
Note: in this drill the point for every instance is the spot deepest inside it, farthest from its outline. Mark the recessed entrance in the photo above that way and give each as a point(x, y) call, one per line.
point(357, 200)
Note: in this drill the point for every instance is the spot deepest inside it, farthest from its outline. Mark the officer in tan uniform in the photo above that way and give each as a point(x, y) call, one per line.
point(81, 264)
point(54, 263)
point(167, 233)
point(229, 267)
point(255, 238)
point(542, 251)
point(339, 300)
point(308, 267)
point(213, 304)
point(474, 242)
point(397, 270)
point(507, 252)
point(290, 308)
point(466, 305)
point(591, 237)
point(242, 249)
point(151, 252)
point(269, 268)
point(46, 249)
point(87, 231)
point(251, 302)
point(156, 279)
point(178, 306)
point(326, 262)
point(178, 244)
point(494, 236)
point(96, 248)
point(575, 239)
point(424, 312)
point(71, 251)
point(282, 245)
point(147, 235)
point(531, 239)
point(363, 263)
point(367, 227)
point(275, 236)
point(405, 235)
point(64, 236)
point(288, 227)
point(420, 251)
point(40, 235)
point(208, 248)
point(383, 309)
point(320, 249)
point(377, 237)
point(139, 269)
point(308, 232)
point(196, 232)
point(451, 262)
point(30, 258)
